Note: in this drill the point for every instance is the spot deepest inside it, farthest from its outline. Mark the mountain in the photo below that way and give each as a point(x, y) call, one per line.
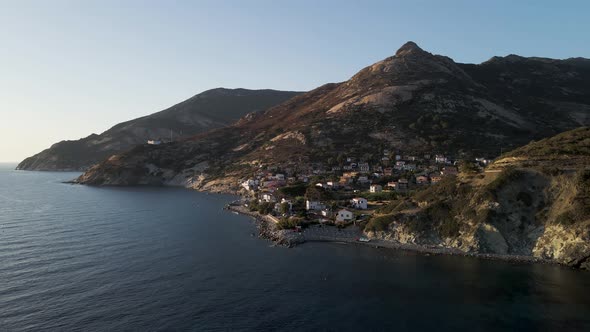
point(208, 110)
point(533, 201)
point(413, 102)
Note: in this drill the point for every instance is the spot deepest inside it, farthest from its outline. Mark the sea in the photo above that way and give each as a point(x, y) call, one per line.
point(80, 258)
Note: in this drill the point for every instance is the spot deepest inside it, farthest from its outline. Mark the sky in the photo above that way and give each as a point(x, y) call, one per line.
point(72, 68)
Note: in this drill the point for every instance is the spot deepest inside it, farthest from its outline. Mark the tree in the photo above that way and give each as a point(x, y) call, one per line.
point(313, 193)
point(284, 208)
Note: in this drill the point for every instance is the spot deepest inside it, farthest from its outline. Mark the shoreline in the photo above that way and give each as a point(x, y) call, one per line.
point(290, 239)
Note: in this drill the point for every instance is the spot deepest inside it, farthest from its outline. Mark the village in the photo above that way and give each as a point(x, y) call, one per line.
point(345, 194)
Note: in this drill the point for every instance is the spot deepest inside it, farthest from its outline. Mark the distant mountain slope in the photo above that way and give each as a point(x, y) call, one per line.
point(533, 201)
point(414, 102)
point(208, 110)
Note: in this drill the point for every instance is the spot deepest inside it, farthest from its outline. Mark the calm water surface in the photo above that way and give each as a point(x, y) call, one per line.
point(76, 258)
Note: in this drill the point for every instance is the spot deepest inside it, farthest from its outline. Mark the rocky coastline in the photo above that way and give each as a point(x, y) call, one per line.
point(350, 235)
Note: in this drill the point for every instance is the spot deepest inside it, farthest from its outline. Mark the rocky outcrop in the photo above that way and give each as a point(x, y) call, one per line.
point(521, 208)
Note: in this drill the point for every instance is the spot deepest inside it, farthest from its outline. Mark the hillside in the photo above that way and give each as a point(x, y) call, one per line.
point(533, 201)
point(208, 110)
point(413, 102)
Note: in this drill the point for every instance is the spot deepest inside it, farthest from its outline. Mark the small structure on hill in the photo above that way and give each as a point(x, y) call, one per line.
point(359, 203)
point(344, 216)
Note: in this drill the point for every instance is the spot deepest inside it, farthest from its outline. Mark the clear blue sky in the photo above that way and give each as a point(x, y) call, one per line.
point(71, 68)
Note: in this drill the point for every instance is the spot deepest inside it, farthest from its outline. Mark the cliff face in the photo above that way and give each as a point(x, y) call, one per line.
point(208, 110)
point(414, 101)
point(534, 201)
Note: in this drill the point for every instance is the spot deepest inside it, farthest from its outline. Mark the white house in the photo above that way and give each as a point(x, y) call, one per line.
point(268, 198)
point(344, 216)
point(314, 205)
point(440, 159)
point(250, 184)
point(375, 188)
point(280, 177)
point(359, 203)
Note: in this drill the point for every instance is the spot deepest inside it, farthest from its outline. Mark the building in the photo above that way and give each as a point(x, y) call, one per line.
point(250, 184)
point(364, 167)
point(154, 142)
point(440, 159)
point(363, 179)
point(410, 167)
point(435, 178)
point(375, 188)
point(343, 216)
point(421, 179)
point(267, 198)
point(280, 177)
point(314, 205)
point(402, 185)
point(359, 203)
point(449, 170)
point(284, 201)
point(483, 161)
point(332, 184)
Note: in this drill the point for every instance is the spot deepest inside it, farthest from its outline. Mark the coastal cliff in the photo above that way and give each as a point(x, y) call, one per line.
point(533, 201)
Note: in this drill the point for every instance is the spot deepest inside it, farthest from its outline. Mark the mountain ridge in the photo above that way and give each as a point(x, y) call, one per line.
point(414, 102)
point(204, 111)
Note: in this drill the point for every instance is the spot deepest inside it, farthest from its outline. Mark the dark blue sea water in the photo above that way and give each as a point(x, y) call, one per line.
point(77, 258)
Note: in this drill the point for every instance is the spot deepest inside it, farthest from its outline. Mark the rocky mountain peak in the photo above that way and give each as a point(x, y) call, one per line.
point(408, 48)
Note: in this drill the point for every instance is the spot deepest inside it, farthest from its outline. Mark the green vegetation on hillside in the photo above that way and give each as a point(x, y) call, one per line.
point(573, 142)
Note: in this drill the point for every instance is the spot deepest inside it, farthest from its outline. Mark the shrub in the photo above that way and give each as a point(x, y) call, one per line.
point(379, 223)
point(525, 198)
point(289, 223)
point(445, 188)
point(419, 225)
point(449, 228)
point(294, 190)
point(265, 208)
point(395, 206)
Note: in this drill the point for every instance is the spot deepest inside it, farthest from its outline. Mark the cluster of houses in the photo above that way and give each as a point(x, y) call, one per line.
point(393, 173)
point(340, 216)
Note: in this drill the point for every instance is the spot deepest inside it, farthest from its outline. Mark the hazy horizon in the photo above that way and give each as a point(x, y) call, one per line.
point(76, 68)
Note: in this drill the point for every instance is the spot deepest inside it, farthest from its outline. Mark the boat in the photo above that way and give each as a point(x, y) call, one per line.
point(364, 239)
